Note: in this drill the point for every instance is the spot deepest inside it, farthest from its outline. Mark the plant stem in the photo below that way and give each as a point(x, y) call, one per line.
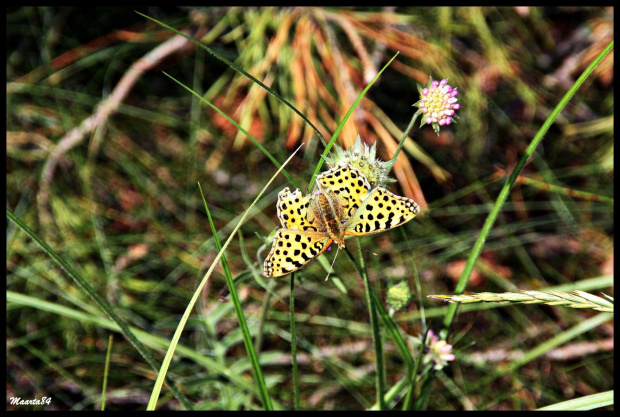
point(503, 195)
point(87, 288)
point(376, 334)
point(294, 344)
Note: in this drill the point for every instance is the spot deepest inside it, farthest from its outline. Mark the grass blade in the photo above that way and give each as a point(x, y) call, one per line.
point(589, 402)
point(177, 335)
point(102, 304)
point(105, 372)
point(245, 332)
point(503, 195)
point(501, 199)
point(344, 120)
point(239, 70)
point(257, 143)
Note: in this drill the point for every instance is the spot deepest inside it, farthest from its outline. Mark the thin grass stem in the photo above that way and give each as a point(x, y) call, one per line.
point(245, 332)
point(294, 343)
point(376, 334)
point(184, 318)
point(403, 138)
point(102, 304)
point(343, 121)
point(105, 372)
point(503, 195)
point(394, 332)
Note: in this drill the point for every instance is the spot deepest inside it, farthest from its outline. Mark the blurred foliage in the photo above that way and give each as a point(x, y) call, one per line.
point(125, 211)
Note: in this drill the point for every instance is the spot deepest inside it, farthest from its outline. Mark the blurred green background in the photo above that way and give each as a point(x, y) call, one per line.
point(104, 153)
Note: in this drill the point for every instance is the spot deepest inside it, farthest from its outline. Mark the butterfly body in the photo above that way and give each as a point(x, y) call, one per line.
point(328, 215)
point(343, 205)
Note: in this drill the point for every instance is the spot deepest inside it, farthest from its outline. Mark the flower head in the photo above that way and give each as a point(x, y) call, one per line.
point(362, 157)
point(398, 296)
point(438, 103)
point(439, 351)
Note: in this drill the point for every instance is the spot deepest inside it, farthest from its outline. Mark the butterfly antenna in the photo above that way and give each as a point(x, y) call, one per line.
point(330, 268)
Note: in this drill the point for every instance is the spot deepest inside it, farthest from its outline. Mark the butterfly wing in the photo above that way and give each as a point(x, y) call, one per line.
point(292, 249)
point(349, 186)
point(381, 210)
point(293, 211)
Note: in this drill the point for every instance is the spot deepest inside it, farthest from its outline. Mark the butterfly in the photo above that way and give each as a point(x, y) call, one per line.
point(343, 205)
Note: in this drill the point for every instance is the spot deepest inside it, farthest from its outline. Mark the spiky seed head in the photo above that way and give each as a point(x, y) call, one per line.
point(364, 158)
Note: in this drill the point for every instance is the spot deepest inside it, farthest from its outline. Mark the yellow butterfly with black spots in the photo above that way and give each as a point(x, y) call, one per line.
point(343, 205)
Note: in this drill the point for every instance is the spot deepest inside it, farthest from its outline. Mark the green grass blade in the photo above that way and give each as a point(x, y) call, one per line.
point(294, 343)
point(503, 195)
point(501, 199)
point(376, 334)
point(157, 342)
point(257, 143)
point(102, 304)
point(105, 372)
point(344, 120)
point(239, 70)
point(589, 402)
point(245, 332)
point(177, 334)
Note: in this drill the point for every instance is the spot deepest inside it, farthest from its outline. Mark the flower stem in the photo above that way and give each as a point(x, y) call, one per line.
point(403, 138)
point(503, 195)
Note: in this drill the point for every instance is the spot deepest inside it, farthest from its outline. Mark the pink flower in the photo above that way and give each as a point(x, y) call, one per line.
point(438, 103)
point(439, 351)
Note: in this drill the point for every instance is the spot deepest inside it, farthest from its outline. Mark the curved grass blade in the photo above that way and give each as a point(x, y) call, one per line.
point(239, 70)
point(157, 342)
point(257, 143)
point(589, 402)
point(245, 332)
point(102, 304)
point(501, 199)
point(343, 121)
point(503, 195)
point(177, 334)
